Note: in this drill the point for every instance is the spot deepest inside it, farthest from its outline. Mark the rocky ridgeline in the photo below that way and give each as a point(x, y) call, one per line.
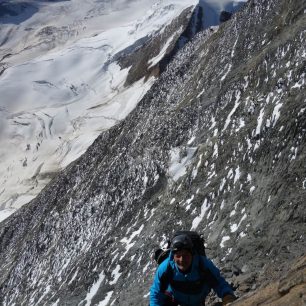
point(217, 145)
point(150, 55)
point(140, 56)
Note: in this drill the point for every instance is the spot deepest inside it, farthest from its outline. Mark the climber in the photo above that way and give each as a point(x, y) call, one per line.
point(186, 278)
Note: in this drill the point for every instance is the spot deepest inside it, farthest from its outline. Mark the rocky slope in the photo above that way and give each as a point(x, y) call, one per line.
point(216, 145)
point(289, 290)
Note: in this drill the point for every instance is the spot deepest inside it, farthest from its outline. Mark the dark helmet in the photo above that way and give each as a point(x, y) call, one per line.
point(181, 242)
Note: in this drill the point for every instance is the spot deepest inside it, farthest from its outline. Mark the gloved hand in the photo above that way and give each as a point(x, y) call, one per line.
point(228, 299)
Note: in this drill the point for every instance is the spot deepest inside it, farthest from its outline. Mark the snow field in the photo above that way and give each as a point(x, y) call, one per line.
point(55, 103)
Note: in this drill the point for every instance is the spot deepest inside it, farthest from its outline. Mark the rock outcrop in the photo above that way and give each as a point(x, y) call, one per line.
point(224, 16)
point(289, 290)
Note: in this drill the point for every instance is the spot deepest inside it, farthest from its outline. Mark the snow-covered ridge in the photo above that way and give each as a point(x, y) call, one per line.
point(59, 87)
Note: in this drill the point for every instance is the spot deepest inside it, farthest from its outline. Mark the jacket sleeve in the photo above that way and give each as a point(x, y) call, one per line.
point(221, 286)
point(157, 297)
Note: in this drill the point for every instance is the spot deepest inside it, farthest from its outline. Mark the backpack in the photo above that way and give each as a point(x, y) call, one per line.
point(198, 247)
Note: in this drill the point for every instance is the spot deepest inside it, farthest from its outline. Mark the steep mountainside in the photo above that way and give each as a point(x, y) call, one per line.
point(216, 145)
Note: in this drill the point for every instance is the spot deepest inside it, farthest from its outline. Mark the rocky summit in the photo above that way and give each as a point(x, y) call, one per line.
point(217, 145)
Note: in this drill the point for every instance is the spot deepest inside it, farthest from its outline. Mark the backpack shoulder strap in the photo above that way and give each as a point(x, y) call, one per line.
point(206, 275)
point(166, 278)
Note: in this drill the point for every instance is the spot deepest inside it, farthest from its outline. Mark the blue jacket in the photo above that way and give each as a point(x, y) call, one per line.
point(220, 286)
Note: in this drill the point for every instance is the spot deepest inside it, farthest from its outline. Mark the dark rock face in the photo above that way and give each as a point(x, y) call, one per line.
point(139, 56)
point(225, 16)
point(216, 145)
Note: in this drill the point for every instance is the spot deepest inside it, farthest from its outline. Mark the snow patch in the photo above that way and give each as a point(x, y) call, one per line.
point(304, 184)
point(188, 202)
point(276, 113)
point(146, 267)
point(234, 46)
point(191, 140)
point(259, 122)
point(229, 67)
point(147, 295)
point(233, 213)
point(237, 175)
point(215, 153)
point(243, 218)
point(242, 234)
point(237, 103)
point(94, 289)
point(128, 241)
point(152, 62)
point(115, 275)
point(5, 213)
point(223, 240)
point(107, 299)
point(178, 164)
point(223, 181)
point(302, 110)
point(234, 227)
point(204, 208)
point(195, 171)
point(56, 303)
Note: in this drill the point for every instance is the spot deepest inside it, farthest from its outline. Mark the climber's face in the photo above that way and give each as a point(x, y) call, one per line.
point(183, 259)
